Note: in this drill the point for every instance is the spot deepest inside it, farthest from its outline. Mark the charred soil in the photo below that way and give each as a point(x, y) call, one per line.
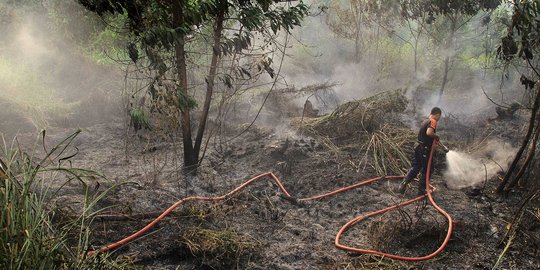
point(261, 229)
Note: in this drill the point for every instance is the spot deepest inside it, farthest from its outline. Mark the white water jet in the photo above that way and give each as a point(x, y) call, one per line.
point(466, 170)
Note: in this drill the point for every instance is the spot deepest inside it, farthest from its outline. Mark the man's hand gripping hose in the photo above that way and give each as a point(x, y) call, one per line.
point(446, 150)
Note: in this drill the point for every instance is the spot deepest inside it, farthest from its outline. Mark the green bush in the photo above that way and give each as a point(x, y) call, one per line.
point(139, 119)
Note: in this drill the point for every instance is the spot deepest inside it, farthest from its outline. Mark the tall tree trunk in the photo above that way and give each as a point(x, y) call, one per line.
point(416, 40)
point(416, 59)
point(524, 143)
point(445, 78)
point(190, 158)
point(357, 32)
point(357, 46)
point(449, 46)
point(218, 29)
point(530, 155)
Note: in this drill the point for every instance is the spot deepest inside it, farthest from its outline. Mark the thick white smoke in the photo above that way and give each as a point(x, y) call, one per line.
point(466, 170)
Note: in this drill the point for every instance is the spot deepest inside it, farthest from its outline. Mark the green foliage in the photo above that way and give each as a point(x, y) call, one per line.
point(107, 45)
point(71, 21)
point(185, 102)
point(236, 43)
point(29, 239)
point(154, 29)
point(361, 20)
point(417, 8)
point(286, 18)
point(351, 17)
point(139, 117)
point(162, 31)
point(68, 21)
point(25, 243)
point(521, 39)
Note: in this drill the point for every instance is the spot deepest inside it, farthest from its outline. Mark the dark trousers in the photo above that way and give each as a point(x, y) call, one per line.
point(420, 163)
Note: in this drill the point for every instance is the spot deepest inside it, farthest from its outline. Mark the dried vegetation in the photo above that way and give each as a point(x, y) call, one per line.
point(218, 249)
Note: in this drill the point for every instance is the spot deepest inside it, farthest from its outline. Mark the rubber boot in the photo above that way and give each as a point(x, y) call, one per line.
point(403, 186)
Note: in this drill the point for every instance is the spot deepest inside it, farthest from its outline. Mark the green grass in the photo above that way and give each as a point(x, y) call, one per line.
point(139, 118)
point(29, 239)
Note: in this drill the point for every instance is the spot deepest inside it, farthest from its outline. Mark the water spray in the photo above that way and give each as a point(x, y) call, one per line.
point(466, 169)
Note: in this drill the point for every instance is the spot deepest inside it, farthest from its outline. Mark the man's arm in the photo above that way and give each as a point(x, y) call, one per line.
point(431, 133)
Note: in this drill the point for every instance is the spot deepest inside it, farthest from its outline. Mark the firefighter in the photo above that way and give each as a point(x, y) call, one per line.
point(422, 151)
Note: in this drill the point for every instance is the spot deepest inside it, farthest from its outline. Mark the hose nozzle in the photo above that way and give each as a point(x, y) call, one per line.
point(446, 150)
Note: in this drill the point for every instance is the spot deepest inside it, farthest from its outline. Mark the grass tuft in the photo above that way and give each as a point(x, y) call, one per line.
point(218, 248)
point(28, 237)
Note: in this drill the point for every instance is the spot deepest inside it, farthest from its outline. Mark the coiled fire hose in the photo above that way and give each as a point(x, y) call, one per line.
point(431, 200)
point(341, 231)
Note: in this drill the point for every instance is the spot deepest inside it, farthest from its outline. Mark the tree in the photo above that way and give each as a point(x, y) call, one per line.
point(360, 21)
point(416, 30)
point(521, 45)
point(162, 30)
point(447, 18)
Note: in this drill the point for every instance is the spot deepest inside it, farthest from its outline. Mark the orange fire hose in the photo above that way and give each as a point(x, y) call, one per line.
point(341, 231)
point(397, 257)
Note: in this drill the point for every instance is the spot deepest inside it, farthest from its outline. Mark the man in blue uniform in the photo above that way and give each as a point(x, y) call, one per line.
point(426, 135)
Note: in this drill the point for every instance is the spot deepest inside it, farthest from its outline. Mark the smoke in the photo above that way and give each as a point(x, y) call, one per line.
point(28, 45)
point(466, 170)
point(48, 77)
point(318, 55)
point(387, 63)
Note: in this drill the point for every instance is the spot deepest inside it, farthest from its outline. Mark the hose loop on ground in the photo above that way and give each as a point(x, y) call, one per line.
point(340, 232)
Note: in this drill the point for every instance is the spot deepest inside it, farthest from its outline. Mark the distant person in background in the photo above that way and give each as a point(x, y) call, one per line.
point(422, 151)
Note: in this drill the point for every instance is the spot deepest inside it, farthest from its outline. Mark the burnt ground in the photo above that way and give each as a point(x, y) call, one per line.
point(266, 231)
